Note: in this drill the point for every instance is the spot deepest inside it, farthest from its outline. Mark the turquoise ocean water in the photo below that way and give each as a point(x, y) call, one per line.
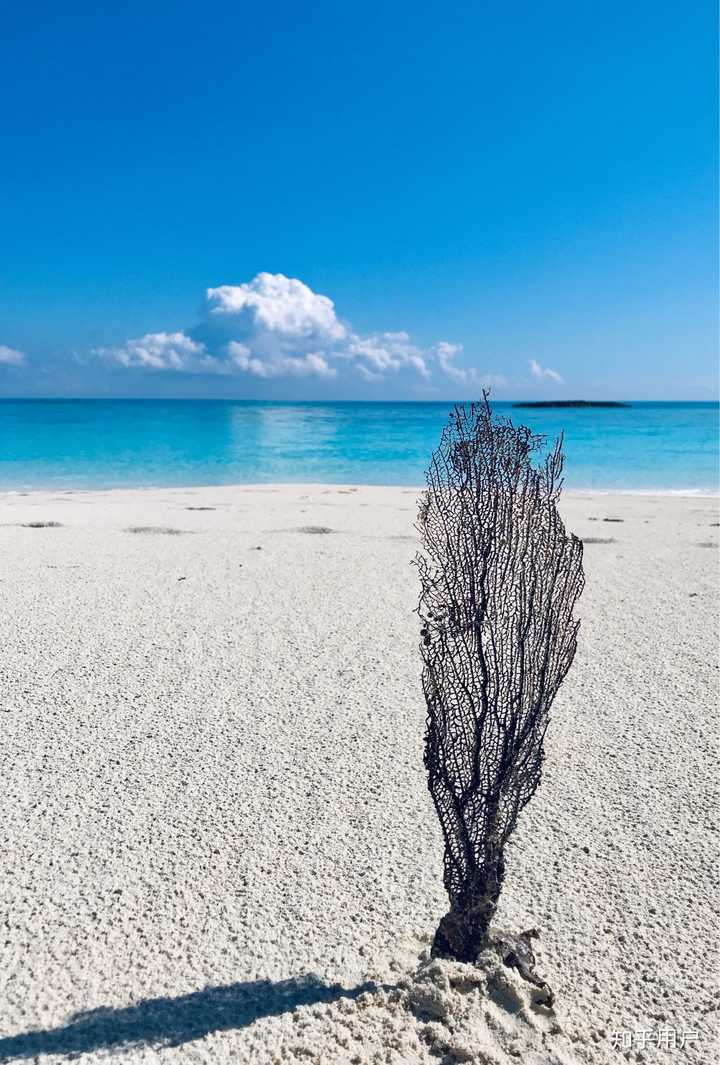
point(73, 444)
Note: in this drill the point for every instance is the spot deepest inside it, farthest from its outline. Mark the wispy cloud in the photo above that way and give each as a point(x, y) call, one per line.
point(467, 375)
point(10, 356)
point(544, 373)
point(276, 326)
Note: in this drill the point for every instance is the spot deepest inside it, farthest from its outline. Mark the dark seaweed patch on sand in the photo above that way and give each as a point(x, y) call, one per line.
point(318, 530)
point(157, 530)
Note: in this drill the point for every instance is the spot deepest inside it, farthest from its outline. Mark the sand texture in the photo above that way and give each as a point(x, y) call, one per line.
point(217, 842)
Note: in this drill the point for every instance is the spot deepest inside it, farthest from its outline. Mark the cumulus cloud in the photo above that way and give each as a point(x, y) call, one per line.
point(278, 305)
point(545, 373)
point(10, 356)
point(289, 366)
point(375, 354)
point(159, 351)
point(276, 326)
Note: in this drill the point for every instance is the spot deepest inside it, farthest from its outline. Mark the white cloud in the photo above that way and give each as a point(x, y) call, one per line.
point(470, 375)
point(276, 326)
point(544, 373)
point(10, 356)
point(278, 305)
point(311, 364)
point(445, 353)
point(159, 351)
point(379, 352)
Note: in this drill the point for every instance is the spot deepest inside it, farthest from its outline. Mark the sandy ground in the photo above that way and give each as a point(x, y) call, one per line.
point(217, 844)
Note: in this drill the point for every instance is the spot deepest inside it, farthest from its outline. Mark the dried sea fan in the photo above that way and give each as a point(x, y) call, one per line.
point(499, 580)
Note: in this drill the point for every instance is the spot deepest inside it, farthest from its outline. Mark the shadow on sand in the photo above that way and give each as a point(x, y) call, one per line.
point(170, 1022)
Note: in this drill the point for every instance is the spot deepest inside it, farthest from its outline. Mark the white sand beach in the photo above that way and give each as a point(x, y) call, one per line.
point(216, 831)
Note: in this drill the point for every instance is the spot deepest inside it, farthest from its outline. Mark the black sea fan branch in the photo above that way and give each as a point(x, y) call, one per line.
point(499, 580)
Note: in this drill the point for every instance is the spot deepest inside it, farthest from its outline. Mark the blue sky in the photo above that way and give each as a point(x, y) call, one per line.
point(386, 200)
